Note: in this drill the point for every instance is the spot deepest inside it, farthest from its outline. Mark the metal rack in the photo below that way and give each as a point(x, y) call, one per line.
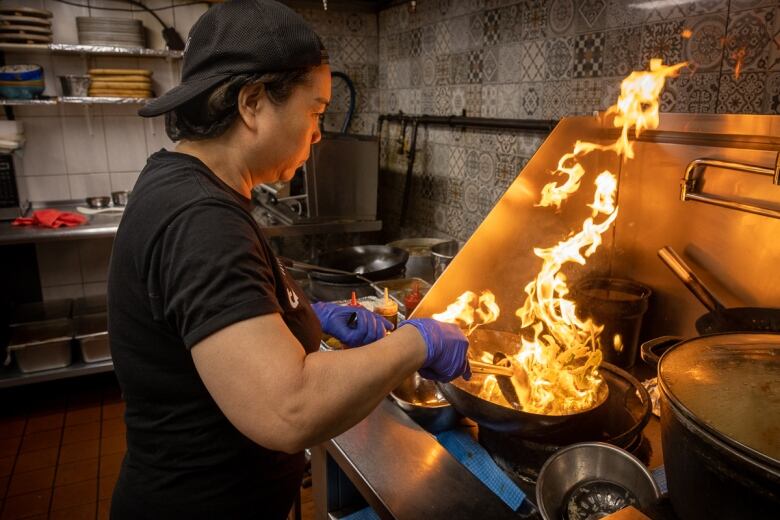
point(85, 50)
point(14, 377)
point(72, 100)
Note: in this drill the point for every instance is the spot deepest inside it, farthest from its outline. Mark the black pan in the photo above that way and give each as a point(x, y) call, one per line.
point(463, 397)
point(371, 262)
point(720, 319)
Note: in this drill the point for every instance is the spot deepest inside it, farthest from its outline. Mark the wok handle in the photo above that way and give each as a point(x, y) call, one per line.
point(649, 351)
point(680, 269)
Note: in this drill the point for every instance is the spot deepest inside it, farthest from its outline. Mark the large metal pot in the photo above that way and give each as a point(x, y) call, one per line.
point(720, 421)
point(553, 428)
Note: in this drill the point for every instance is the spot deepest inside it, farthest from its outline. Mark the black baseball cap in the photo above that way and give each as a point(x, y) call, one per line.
point(240, 37)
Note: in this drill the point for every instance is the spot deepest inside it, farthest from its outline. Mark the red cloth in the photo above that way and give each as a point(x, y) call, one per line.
point(51, 218)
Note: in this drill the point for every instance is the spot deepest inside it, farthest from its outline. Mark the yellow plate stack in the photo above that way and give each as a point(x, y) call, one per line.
point(126, 83)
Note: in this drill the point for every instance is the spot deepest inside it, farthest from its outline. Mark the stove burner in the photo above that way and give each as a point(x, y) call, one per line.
point(596, 499)
point(620, 421)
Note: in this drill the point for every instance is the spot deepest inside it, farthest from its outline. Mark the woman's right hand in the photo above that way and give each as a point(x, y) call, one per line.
point(447, 348)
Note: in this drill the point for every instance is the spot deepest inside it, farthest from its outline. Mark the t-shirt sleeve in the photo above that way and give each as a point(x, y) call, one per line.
point(213, 272)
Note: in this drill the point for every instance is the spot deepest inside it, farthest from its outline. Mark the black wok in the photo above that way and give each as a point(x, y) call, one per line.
point(371, 262)
point(720, 319)
point(463, 397)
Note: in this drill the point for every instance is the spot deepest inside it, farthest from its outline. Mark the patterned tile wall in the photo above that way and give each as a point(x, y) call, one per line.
point(546, 59)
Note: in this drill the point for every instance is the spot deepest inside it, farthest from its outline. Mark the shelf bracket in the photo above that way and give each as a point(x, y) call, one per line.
point(88, 117)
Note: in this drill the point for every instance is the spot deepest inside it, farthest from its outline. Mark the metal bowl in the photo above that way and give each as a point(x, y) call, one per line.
point(421, 400)
point(98, 202)
point(592, 480)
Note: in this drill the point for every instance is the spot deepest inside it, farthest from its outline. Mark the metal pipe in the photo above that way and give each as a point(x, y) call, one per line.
point(409, 171)
point(534, 125)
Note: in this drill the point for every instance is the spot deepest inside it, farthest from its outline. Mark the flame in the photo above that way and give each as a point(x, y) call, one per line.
point(470, 311)
point(556, 369)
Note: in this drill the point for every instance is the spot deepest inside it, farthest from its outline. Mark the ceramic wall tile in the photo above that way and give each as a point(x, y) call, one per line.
point(742, 95)
point(588, 55)
point(89, 185)
point(621, 51)
point(154, 38)
point(125, 143)
point(46, 188)
point(772, 102)
point(750, 40)
point(59, 263)
point(185, 16)
point(591, 15)
point(85, 145)
point(63, 25)
point(558, 55)
point(662, 40)
point(532, 63)
point(43, 152)
point(560, 17)
point(123, 181)
point(59, 292)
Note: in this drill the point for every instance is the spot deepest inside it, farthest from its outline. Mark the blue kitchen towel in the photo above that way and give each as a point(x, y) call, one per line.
point(466, 450)
point(364, 514)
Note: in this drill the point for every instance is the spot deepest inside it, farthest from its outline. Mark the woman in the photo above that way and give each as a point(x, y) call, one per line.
point(214, 346)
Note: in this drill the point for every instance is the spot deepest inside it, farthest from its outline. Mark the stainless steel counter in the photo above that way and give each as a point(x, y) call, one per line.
point(402, 472)
point(105, 225)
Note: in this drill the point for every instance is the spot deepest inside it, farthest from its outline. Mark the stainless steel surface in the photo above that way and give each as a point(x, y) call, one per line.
point(42, 346)
point(73, 85)
point(673, 261)
point(119, 198)
point(98, 202)
point(442, 254)
point(92, 337)
point(692, 182)
point(422, 401)
point(10, 377)
point(478, 367)
point(404, 473)
point(735, 251)
point(68, 48)
point(420, 263)
point(574, 465)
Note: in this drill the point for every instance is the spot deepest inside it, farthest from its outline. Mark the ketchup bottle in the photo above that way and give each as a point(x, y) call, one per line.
point(412, 299)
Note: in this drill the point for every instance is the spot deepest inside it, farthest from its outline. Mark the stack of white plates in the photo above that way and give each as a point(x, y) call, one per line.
point(116, 32)
point(25, 25)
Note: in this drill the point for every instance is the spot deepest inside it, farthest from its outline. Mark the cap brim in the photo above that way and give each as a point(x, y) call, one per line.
point(179, 95)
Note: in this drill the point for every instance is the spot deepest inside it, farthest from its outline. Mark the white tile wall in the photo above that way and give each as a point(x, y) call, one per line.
point(85, 145)
point(91, 185)
point(43, 152)
point(59, 263)
point(48, 187)
point(125, 143)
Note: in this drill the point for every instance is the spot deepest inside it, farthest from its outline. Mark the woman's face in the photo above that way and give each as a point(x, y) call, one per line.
point(288, 130)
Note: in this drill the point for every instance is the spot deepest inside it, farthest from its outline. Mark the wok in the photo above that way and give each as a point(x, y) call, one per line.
point(369, 262)
point(720, 319)
point(463, 397)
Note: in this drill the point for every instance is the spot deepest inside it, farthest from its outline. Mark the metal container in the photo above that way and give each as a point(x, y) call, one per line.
point(42, 346)
point(92, 337)
point(420, 263)
point(422, 401)
point(592, 480)
point(119, 198)
point(89, 305)
point(74, 86)
point(442, 256)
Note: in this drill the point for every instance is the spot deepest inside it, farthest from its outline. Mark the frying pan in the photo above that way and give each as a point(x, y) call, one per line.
point(720, 319)
point(463, 397)
point(371, 262)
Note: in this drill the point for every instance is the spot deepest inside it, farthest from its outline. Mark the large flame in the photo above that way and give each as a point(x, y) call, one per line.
point(470, 311)
point(556, 368)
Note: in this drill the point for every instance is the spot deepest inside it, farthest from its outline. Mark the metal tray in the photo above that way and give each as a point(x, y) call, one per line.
point(42, 346)
point(92, 337)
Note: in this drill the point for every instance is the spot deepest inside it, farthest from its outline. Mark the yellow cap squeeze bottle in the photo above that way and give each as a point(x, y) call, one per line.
point(388, 309)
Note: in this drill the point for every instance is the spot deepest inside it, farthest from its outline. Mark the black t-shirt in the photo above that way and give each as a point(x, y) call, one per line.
point(189, 260)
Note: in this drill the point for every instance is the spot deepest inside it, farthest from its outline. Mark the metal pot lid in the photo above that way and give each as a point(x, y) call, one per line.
point(730, 385)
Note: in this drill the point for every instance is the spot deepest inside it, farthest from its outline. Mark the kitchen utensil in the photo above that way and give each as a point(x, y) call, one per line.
point(73, 85)
point(505, 383)
point(98, 202)
point(27, 20)
point(591, 480)
point(25, 11)
point(478, 367)
point(420, 263)
point(463, 396)
point(443, 254)
point(720, 319)
point(618, 305)
point(119, 198)
point(422, 401)
point(372, 262)
point(720, 410)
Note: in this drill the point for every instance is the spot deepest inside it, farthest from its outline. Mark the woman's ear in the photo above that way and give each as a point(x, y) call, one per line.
point(251, 101)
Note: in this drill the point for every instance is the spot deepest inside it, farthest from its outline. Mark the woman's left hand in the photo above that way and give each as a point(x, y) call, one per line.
point(338, 321)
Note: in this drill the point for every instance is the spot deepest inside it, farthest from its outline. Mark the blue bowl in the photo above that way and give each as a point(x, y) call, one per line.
point(20, 92)
point(21, 73)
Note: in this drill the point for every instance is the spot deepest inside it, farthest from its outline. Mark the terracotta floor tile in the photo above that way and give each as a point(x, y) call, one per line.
point(82, 512)
point(23, 506)
point(11, 427)
point(104, 509)
point(106, 486)
point(113, 426)
point(74, 495)
point(110, 464)
point(76, 472)
point(80, 433)
point(111, 445)
point(112, 410)
point(36, 480)
point(6, 465)
point(82, 416)
point(40, 440)
point(42, 423)
point(80, 451)
point(36, 460)
point(9, 446)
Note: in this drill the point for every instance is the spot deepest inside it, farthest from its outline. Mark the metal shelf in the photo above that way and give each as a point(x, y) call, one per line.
point(13, 377)
point(96, 50)
point(75, 101)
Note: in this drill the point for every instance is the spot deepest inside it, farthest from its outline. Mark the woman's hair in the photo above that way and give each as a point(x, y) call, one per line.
point(211, 113)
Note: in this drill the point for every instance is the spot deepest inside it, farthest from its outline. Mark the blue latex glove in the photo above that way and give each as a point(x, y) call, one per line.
point(366, 328)
point(447, 349)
